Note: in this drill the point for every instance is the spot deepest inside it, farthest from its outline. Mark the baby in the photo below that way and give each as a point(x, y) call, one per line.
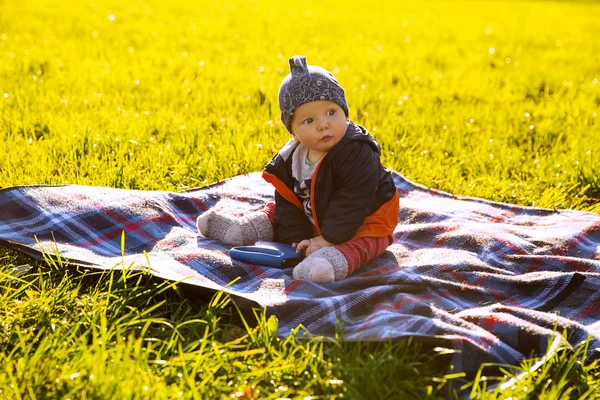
point(334, 201)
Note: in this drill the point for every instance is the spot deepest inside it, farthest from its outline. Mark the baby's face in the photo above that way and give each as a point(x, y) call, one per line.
point(319, 125)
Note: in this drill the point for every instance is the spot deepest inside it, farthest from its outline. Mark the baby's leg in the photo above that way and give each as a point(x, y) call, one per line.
point(334, 263)
point(236, 230)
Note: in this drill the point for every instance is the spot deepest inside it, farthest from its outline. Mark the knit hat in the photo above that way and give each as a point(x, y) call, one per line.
point(307, 83)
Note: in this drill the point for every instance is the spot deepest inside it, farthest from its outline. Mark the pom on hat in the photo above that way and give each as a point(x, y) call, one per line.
point(298, 65)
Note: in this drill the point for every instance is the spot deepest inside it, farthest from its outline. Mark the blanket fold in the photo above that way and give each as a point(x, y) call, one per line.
point(497, 281)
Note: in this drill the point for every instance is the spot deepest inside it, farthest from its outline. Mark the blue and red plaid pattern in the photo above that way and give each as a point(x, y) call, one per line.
point(497, 281)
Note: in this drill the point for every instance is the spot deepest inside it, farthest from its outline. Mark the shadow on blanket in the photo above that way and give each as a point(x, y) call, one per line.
point(496, 281)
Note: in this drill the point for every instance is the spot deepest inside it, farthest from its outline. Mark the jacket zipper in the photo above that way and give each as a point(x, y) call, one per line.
point(312, 196)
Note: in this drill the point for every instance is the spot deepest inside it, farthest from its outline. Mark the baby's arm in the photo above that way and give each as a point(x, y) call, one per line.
point(354, 198)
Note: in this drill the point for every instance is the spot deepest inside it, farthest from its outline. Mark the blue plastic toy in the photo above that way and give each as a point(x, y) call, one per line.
point(269, 254)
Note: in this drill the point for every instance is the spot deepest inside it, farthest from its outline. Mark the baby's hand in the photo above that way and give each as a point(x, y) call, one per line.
point(309, 246)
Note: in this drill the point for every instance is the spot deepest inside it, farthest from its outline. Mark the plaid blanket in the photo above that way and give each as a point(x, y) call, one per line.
point(496, 281)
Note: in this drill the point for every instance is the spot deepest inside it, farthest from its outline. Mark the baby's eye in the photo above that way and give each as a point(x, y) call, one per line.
point(308, 120)
point(331, 112)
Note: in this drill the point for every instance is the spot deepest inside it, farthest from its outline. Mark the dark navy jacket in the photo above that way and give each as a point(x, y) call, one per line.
point(352, 194)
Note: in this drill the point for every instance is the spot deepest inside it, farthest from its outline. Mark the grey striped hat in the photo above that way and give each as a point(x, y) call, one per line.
point(307, 83)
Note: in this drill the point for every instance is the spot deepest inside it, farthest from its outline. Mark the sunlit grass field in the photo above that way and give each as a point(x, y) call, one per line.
point(497, 99)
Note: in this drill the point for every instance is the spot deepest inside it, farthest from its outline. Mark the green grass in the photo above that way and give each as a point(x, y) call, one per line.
point(81, 334)
point(498, 99)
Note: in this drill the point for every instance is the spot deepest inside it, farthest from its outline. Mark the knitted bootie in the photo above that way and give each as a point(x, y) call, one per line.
point(327, 264)
point(233, 230)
